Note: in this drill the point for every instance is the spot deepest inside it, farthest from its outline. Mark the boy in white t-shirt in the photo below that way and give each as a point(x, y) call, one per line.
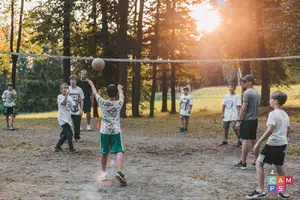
point(231, 106)
point(186, 105)
point(274, 151)
point(65, 104)
point(77, 95)
point(8, 97)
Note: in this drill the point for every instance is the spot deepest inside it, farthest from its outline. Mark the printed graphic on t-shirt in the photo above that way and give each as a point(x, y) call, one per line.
point(75, 98)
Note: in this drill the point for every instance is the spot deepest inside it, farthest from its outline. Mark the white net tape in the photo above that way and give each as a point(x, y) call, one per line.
point(154, 61)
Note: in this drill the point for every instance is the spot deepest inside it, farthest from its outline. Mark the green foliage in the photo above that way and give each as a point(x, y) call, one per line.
point(39, 87)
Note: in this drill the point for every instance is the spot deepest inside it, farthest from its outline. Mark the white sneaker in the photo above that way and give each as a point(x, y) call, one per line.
point(88, 127)
point(81, 129)
point(103, 176)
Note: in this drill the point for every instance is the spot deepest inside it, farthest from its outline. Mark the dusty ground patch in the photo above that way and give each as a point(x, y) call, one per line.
point(160, 163)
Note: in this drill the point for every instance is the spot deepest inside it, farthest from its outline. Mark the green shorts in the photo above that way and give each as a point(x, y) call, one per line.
point(111, 144)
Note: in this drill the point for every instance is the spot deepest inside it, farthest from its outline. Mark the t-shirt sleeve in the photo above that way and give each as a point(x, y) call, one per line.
point(271, 119)
point(246, 96)
point(60, 99)
point(99, 99)
point(3, 96)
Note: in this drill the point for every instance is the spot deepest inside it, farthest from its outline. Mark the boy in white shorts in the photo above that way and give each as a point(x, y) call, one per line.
point(186, 105)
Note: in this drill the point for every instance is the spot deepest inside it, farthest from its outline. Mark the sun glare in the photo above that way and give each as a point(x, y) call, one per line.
point(206, 17)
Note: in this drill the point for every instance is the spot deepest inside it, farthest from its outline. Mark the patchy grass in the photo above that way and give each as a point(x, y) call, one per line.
point(206, 100)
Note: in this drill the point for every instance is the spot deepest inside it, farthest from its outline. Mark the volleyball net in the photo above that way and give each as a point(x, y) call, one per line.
point(39, 75)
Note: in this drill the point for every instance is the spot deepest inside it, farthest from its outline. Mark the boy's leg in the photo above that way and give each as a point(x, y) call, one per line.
point(260, 174)
point(63, 136)
point(76, 122)
point(104, 162)
point(181, 123)
point(245, 149)
point(7, 122)
point(70, 137)
point(117, 148)
point(239, 142)
point(186, 122)
point(226, 126)
point(120, 161)
point(104, 146)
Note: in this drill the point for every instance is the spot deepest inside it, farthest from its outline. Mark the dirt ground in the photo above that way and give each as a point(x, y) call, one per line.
point(160, 163)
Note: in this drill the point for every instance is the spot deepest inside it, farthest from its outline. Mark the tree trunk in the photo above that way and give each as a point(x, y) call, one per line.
point(13, 57)
point(123, 24)
point(94, 49)
point(66, 42)
point(265, 79)
point(109, 70)
point(155, 54)
point(137, 71)
point(173, 69)
point(164, 85)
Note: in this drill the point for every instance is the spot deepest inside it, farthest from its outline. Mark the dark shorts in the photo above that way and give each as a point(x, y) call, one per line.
point(272, 154)
point(248, 129)
point(9, 110)
point(226, 124)
point(87, 105)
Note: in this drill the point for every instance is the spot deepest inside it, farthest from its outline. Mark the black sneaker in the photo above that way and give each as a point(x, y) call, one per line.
point(283, 196)
point(238, 144)
point(73, 151)
point(120, 176)
point(185, 130)
point(256, 195)
point(241, 166)
point(7, 127)
point(224, 143)
point(58, 149)
point(181, 130)
point(77, 138)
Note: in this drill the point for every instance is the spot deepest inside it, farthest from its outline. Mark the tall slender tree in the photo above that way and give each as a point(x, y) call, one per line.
point(173, 69)
point(123, 47)
point(137, 69)
point(15, 57)
point(66, 39)
point(155, 53)
point(265, 78)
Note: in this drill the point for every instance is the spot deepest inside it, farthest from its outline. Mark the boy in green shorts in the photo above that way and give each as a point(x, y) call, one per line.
point(110, 131)
point(8, 97)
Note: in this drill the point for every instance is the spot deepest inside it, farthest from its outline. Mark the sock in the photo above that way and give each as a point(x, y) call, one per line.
point(243, 162)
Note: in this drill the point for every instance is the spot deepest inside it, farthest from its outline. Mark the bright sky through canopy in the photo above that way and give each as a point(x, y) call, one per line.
point(207, 18)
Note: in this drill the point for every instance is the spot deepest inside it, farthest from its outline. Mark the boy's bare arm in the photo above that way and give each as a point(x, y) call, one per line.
point(288, 132)
point(94, 91)
point(223, 111)
point(243, 111)
point(121, 94)
point(267, 134)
